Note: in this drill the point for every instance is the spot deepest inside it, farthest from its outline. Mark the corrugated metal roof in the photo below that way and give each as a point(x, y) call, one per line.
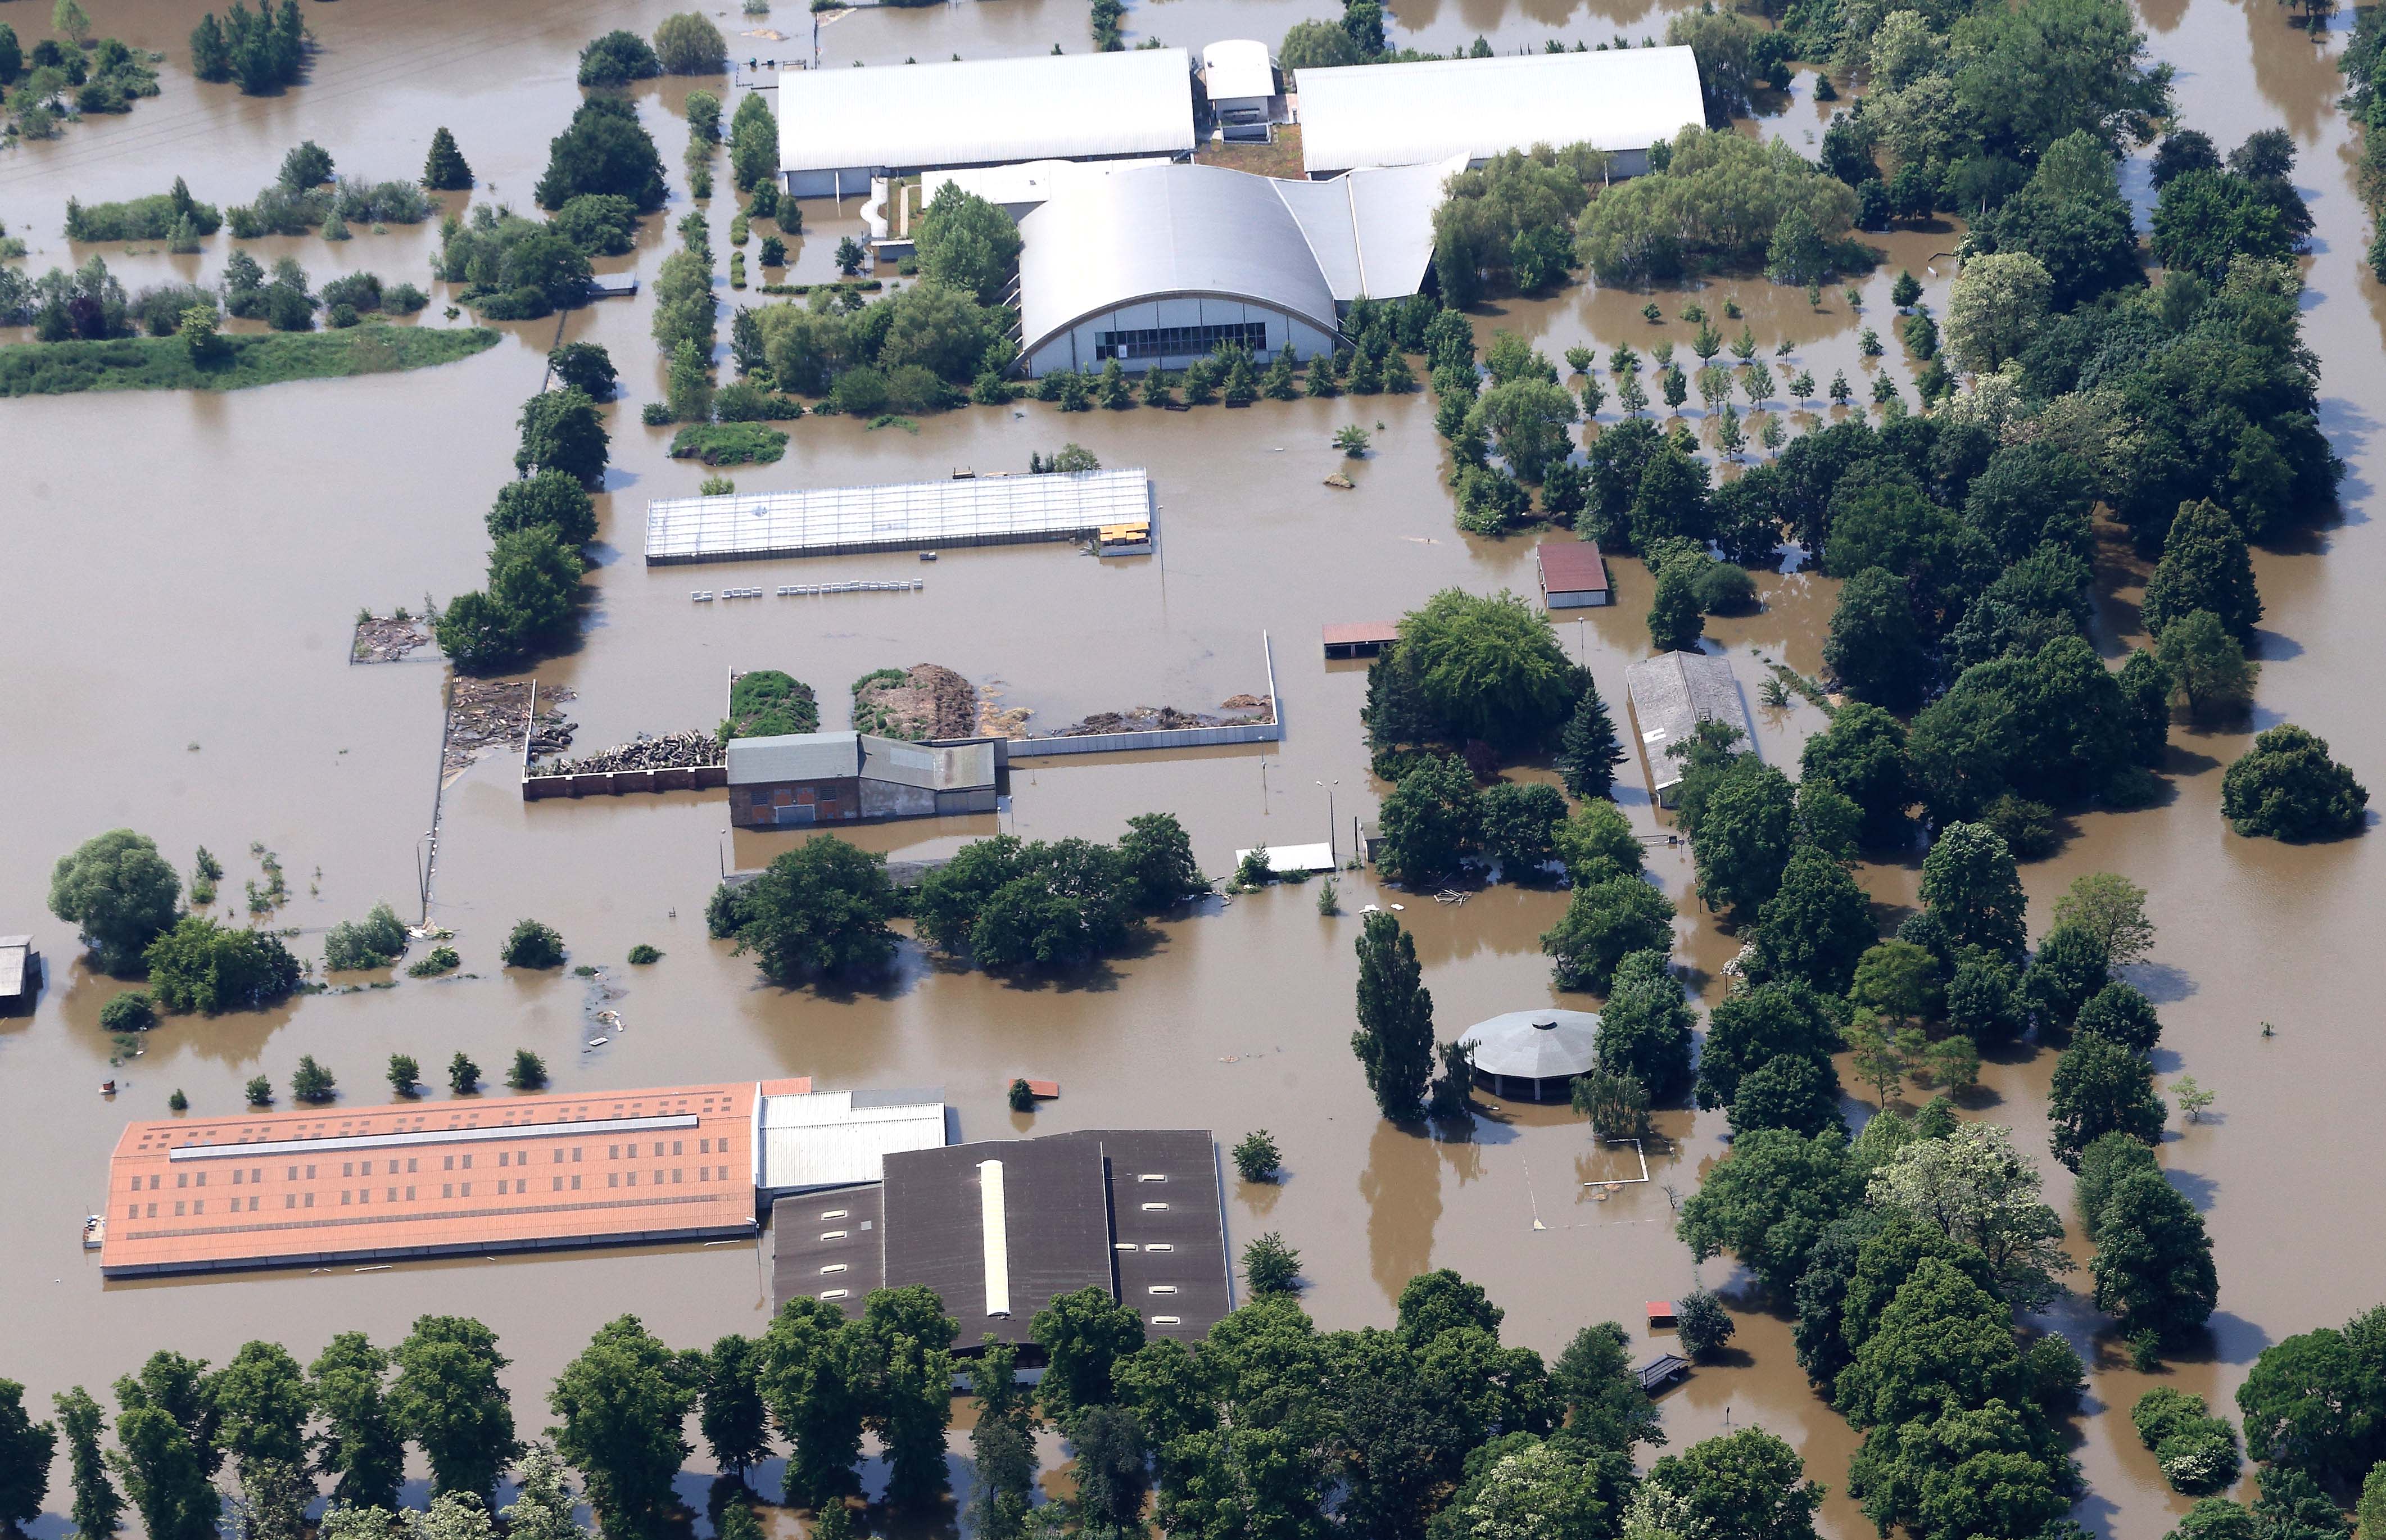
point(1404, 114)
point(794, 756)
point(1345, 632)
point(984, 112)
point(1671, 695)
point(14, 951)
point(1535, 1044)
point(969, 767)
point(832, 1139)
point(1237, 68)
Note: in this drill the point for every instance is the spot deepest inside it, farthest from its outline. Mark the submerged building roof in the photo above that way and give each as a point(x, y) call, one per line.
point(843, 756)
point(1671, 695)
point(984, 112)
point(1534, 1045)
point(838, 1138)
point(1404, 114)
point(1151, 233)
point(980, 510)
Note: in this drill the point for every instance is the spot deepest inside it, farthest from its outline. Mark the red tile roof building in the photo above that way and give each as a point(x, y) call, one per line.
point(429, 1178)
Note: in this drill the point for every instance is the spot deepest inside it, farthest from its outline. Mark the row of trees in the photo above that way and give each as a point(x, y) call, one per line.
point(1433, 1427)
point(822, 908)
point(538, 526)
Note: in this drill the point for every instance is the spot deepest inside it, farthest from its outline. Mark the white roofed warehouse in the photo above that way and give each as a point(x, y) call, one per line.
point(1157, 266)
point(838, 128)
point(1621, 101)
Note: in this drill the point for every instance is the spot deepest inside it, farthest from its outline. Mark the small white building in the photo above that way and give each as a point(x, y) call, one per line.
point(1621, 101)
point(1245, 87)
point(1159, 265)
point(840, 128)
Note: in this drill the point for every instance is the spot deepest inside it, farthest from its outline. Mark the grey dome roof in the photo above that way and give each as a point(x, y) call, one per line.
point(1535, 1044)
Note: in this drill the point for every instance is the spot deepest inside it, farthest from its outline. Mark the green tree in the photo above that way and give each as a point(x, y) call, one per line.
point(443, 169)
point(1489, 668)
point(1873, 646)
point(1996, 307)
point(449, 1401)
point(2113, 909)
point(2205, 664)
point(1816, 924)
point(201, 966)
point(904, 1342)
point(1645, 1030)
point(120, 894)
point(1743, 836)
point(1518, 823)
point(1970, 883)
point(2101, 1087)
point(1898, 981)
point(2313, 1404)
point(1768, 1201)
point(603, 150)
point(732, 1416)
point(1589, 752)
point(1747, 1484)
point(1751, 1028)
point(2153, 1264)
point(310, 1082)
point(1257, 1157)
point(1324, 45)
point(554, 499)
point(463, 1075)
point(1789, 1091)
point(967, 243)
point(2204, 566)
point(1675, 621)
point(2070, 968)
point(688, 44)
point(25, 1449)
point(1862, 756)
point(531, 944)
point(1084, 1335)
point(97, 1502)
point(1615, 1101)
point(1979, 1191)
point(2120, 1014)
point(560, 430)
point(821, 907)
point(1526, 420)
point(1428, 820)
point(360, 1444)
point(166, 1448)
point(2286, 787)
point(1159, 857)
point(809, 1381)
point(1606, 922)
point(1595, 841)
point(1394, 1043)
point(262, 1405)
point(1271, 1266)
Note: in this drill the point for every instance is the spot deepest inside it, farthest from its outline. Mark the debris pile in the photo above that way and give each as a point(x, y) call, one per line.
point(926, 701)
point(1163, 719)
point(684, 750)
point(485, 716)
point(385, 639)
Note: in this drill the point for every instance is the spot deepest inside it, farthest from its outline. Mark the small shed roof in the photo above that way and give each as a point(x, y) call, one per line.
point(1401, 114)
point(1572, 567)
point(1295, 858)
point(1346, 633)
point(1671, 695)
point(14, 950)
point(1535, 1044)
point(985, 112)
point(1237, 67)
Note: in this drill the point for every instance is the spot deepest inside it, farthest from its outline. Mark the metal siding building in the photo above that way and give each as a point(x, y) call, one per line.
point(1159, 265)
point(822, 1139)
point(1574, 575)
point(1670, 695)
point(799, 780)
point(838, 128)
point(1621, 101)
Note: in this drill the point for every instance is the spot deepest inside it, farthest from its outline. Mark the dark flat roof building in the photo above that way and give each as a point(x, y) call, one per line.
point(999, 1228)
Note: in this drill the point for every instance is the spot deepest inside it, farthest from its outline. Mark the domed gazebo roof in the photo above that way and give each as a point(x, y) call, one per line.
point(1534, 1045)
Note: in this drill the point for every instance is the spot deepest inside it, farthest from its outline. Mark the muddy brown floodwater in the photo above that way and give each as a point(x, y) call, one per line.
point(187, 570)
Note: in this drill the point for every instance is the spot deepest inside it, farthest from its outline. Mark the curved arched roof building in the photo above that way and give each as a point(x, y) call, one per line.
point(1534, 1054)
point(1157, 266)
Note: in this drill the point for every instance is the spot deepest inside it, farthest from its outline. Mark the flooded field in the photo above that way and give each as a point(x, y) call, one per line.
point(188, 570)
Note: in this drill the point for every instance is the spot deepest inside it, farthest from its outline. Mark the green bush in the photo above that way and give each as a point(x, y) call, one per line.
point(728, 443)
point(768, 703)
point(443, 959)
point(149, 218)
point(165, 363)
point(201, 966)
point(744, 401)
point(643, 954)
point(130, 1011)
point(531, 944)
point(528, 1071)
point(376, 941)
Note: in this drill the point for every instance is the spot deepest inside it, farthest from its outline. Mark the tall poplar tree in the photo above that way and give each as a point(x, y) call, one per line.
point(1395, 1037)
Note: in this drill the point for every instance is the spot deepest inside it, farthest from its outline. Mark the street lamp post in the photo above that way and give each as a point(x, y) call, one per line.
point(722, 852)
point(1332, 851)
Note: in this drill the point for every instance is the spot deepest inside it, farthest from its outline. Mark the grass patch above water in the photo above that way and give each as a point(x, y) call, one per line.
point(165, 363)
point(729, 444)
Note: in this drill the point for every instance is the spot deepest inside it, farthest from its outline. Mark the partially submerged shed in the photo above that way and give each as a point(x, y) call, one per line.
point(17, 969)
point(1533, 1054)
point(1360, 638)
point(1574, 575)
point(799, 780)
point(1670, 695)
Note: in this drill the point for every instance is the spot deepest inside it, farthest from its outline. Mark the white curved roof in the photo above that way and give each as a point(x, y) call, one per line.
point(1142, 232)
point(1164, 229)
point(1404, 114)
point(1534, 1045)
point(984, 112)
point(1237, 67)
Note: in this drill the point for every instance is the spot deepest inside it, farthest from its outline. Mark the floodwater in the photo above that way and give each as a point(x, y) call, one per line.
point(188, 569)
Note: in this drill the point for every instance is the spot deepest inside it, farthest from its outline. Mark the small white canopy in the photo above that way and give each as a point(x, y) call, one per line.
point(1236, 69)
point(1534, 1045)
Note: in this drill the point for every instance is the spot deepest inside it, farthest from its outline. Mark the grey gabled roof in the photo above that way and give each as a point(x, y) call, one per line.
point(1535, 1044)
point(1671, 695)
point(794, 756)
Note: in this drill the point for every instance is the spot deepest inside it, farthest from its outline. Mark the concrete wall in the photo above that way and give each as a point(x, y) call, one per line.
point(537, 788)
point(1121, 743)
point(1075, 347)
